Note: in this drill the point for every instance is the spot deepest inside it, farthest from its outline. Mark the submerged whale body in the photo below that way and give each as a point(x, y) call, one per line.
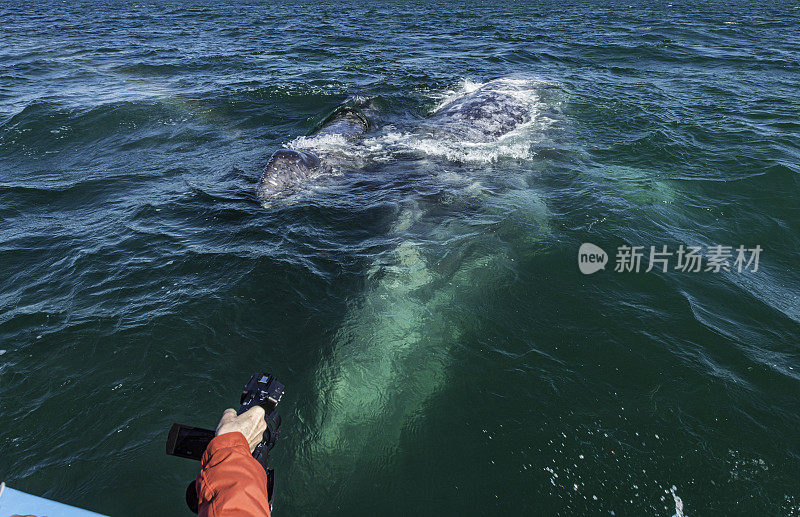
point(391, 353)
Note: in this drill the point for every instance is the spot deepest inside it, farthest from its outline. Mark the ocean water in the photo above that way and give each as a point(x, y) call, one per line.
point(441, 350)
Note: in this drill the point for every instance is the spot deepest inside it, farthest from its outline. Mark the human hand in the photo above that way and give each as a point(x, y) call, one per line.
point(251, 424)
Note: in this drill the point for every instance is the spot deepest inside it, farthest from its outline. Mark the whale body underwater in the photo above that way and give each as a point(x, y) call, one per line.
point(426, 298)
point(484, 115)
point(392, 350)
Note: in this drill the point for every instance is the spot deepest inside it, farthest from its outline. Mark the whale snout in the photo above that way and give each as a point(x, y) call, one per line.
point(286, 171)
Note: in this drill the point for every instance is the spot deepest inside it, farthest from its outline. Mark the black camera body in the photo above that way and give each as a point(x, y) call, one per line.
point(190, 442)
point(264, 390)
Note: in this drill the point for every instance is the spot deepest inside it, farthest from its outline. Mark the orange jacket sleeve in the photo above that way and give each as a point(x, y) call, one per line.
point(232, 483)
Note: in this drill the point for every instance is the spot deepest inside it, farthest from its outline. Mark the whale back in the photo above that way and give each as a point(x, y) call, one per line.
point(488, 113)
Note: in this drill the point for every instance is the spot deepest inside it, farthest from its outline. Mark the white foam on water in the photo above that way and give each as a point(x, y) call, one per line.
point(678, 502)
point(511, 146)
point(320, 143)
point(525, 90)
point(466, 86)
point(337, 152)
point(516, 144)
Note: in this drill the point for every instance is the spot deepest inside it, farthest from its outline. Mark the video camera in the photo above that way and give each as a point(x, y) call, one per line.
point(190, 442)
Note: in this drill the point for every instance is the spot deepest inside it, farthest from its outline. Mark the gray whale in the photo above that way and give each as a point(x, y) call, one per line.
point(483, 115)
point(288, 170)
point(486, 114)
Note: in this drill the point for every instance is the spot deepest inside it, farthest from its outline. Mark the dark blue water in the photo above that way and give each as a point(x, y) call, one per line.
point(442, 352)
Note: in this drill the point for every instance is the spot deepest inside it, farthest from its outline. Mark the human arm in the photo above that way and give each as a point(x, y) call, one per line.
point(232, 483)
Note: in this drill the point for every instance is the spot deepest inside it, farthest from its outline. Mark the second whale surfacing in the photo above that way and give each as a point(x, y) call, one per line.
point(288, 171)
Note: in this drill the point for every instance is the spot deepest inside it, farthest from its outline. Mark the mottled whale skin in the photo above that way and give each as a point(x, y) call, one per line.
point(484, 115)
point(288, 170)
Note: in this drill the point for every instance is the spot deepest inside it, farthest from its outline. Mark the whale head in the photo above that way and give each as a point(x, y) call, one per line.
point(285, 173)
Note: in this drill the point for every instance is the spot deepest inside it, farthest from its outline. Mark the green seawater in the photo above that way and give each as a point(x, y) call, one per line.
point(441, 350)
